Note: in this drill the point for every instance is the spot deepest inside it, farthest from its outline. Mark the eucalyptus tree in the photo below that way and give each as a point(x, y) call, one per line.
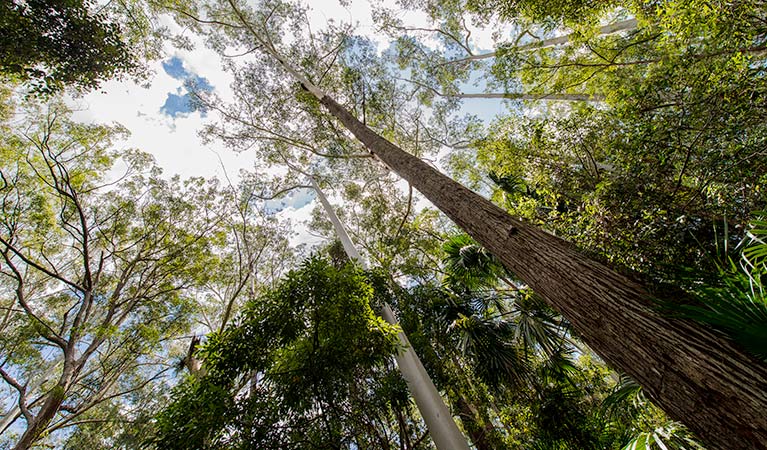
point(437, 417)
point(442, 428)
point(96, 272)
point(390, 227)
point(594, 55)
point(441, 60)
point(249, 252)
point(253, 256)
point(295, 149)
point(613, 313)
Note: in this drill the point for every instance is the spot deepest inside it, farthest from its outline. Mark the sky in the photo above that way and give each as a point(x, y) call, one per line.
point(165, 123)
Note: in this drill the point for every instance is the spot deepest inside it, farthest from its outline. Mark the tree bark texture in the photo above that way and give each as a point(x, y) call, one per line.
point(696, 375)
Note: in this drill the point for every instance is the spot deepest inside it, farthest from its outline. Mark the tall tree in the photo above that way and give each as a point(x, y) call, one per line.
point(320, 353)
point(437, 417)
point(614, 314)
point(442, 428)
point(97, 269)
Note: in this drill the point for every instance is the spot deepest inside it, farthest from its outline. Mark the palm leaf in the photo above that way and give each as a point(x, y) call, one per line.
point(669, 436)
point(737, 306)
point(755, 251)
point(538, 327)
point(469, 264)
point(627, 391)
point(491, 347)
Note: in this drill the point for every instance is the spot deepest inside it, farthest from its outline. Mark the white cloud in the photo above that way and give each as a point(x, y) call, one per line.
point(174, 142)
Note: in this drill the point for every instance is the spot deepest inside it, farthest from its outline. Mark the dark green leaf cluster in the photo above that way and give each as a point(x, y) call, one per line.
point(50, 44)
point(307, 352)
point(736, 302)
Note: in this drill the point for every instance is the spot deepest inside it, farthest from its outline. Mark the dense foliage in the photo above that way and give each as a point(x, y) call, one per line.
point(305, 367)
point(141, 310)
point(50, 44)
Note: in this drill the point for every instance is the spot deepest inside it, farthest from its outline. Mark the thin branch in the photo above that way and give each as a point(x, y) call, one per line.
point(407, 211)
point(511, 95)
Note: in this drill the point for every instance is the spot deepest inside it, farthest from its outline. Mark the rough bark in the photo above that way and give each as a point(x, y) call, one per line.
point(697, 376)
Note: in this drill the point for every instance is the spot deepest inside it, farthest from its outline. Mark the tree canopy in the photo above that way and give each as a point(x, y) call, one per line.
point(50, 44)
point(582, 270)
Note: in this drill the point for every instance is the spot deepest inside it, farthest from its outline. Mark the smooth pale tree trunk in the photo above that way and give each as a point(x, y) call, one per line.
point(442, 428)
point(515, 95)
point(532, 97)
point(624, 25)
point(697, 376)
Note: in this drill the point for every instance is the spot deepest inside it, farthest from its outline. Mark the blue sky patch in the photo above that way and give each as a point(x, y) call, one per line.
point(295, 199)
point(181, 103)
point(175, 68)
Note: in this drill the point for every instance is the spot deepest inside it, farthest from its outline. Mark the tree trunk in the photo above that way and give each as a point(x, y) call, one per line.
point(697, 376)
point(442, 428)
point(15, 412)
point(629, 24)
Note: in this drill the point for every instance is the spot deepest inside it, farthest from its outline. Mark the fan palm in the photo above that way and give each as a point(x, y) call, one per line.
point(469, 264)
point(737, 305)
point(502, 332)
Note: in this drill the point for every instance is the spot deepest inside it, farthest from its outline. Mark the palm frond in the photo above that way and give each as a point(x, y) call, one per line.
point(490, 345)
point(669, 436)
point(469, 264)
point(627, 391)
point(737, 305)
point(755, 245)
point(559, 367)
point(538, 326)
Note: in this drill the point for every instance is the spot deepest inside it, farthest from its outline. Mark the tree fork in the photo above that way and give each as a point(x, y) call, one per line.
point(44, 417)
point(697, 376)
